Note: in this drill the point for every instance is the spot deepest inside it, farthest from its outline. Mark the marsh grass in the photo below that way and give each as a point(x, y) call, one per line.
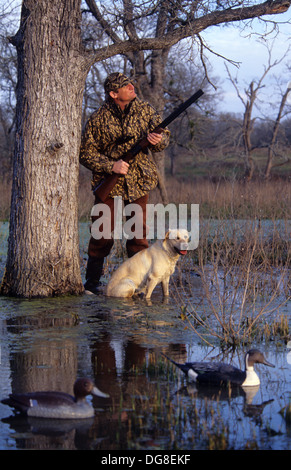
point(224, 198)
point(232, 198)
point(244, 284)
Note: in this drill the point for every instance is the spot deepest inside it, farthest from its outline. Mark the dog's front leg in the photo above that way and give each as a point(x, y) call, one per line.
point(165, 286)
point(151, 284)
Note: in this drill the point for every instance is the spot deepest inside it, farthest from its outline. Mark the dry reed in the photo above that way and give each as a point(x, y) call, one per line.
point(232, 198)
point(243, 285)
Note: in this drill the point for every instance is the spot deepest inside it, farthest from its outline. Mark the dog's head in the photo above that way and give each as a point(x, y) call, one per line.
point(177, 240)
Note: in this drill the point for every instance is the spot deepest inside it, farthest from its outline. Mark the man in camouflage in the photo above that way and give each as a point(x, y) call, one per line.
point(109, 133)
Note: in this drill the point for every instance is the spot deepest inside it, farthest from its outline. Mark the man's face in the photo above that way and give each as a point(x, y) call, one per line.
point(124, 95)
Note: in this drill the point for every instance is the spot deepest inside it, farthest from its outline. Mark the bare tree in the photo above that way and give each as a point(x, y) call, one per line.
point(271, 146)
point(53, 62)
point(249, 98)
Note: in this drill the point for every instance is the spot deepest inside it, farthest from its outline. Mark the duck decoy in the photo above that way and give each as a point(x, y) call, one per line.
point(57, 405)
point(219, 373)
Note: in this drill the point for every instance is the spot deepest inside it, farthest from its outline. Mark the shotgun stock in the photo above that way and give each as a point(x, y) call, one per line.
point(105, 187)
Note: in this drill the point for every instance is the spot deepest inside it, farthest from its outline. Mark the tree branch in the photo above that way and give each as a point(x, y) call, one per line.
point(188, 29)
point(101, 20)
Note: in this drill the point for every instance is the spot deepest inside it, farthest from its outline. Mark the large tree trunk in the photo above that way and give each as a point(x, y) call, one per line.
point(43, 251)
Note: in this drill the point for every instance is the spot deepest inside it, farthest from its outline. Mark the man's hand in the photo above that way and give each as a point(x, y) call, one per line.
point(154, 138)
point(120, 167)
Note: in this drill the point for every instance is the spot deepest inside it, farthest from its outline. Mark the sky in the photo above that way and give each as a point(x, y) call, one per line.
point(252, 55)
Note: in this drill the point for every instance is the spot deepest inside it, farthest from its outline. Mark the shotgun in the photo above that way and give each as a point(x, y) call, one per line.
point(104, 188)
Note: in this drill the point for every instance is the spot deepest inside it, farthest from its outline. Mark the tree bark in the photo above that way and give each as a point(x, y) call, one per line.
point(43, 248)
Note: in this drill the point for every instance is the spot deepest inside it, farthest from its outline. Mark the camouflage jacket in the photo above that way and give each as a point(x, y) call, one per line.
point(111, 132)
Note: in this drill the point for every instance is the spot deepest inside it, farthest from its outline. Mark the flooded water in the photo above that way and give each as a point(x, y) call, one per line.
point(47, 344)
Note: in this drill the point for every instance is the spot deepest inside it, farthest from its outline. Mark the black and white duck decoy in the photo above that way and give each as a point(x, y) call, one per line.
point(57, 405)
point(219, 373)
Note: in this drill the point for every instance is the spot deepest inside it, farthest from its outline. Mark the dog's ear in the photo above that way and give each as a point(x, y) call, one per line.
point(167, 234)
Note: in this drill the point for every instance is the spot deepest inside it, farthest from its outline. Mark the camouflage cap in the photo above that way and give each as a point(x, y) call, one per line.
point(114, 81)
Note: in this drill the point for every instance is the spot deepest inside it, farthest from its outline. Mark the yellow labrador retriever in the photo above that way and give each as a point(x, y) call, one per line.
point(146, 269)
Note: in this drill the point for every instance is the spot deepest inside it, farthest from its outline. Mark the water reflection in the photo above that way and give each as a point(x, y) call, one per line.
point(48, 350)
point(118, 345)
point(42, 434)
point(41, 362)
point(212, 393)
